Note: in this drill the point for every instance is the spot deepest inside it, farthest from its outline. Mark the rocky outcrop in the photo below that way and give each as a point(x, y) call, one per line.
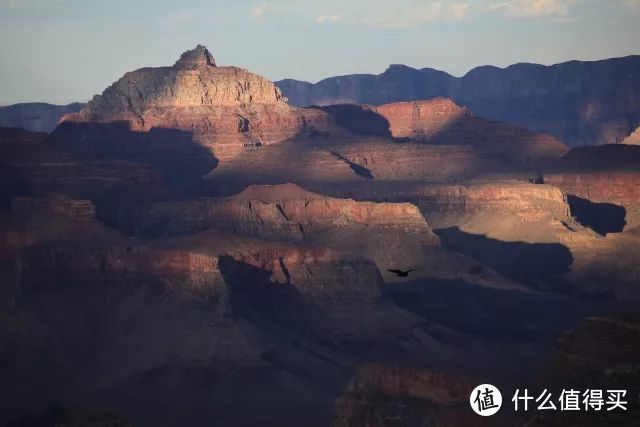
point(224, 109)
point(573, 101)
point(618, 188)
point(285, 211)
point(394, 235)
point(441, 121)
point(444, 202)
point(606, 174)
point(36, 116)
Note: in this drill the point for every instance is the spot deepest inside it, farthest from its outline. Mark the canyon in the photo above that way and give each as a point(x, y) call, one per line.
point(190, 246)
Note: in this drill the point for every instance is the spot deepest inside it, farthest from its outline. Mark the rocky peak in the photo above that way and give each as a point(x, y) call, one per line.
point(196, 57)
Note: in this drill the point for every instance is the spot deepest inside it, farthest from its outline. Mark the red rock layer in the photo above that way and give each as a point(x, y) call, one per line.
point(284, 211)
point(222, 269)
point(441, 121)
point(316, 162)
point(529, 202)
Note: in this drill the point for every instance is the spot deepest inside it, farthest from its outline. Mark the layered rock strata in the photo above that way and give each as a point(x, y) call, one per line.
point(226, 110)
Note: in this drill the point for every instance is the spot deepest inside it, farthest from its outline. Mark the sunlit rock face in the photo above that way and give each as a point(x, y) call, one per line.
point(633, 139)
point(441, 121)
point(225, 109)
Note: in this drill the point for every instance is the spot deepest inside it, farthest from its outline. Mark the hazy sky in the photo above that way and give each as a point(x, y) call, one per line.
point(67, 50)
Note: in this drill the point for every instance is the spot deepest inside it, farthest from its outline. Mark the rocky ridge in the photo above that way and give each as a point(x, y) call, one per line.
point(578, 102)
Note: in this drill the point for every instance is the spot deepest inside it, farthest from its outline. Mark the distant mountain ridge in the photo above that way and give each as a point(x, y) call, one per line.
point(36, 116)
point(581, 103)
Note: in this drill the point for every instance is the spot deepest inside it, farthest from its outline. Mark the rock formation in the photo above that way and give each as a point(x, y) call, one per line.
point(393, 235)
point(434, 141)
point(606, 174)
point(225, 109)
point(440, 121)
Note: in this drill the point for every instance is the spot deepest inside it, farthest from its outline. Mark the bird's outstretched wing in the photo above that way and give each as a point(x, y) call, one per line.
point(411, 269)
point(395, 271)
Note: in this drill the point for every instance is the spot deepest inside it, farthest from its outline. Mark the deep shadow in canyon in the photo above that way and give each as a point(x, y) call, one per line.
point(358, 119)
point(173, 154)
point(528, 262)
point(603, 218)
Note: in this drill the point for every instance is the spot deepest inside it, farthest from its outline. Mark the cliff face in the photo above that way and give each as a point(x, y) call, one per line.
point(607, 174)
point(580, 103)
point(441, 121)
point(394, 235)
point(528, 202)
point(287, 212)
point(617, 188)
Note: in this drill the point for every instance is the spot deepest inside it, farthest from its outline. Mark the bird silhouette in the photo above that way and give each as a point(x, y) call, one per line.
point(402, 273)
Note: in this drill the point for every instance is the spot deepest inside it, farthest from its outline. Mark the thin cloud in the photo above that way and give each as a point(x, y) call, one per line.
point(533, 8)
point(633, 4)
point(426, 13)
point(259, 9)
point(29, 4)
point(180, 18)
point(335, 18)
point(458, 12)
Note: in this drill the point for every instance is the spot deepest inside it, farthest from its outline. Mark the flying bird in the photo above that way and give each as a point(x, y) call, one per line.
point(402, 273)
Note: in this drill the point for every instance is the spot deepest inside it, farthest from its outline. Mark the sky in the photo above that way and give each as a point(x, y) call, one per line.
point(61, 51)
